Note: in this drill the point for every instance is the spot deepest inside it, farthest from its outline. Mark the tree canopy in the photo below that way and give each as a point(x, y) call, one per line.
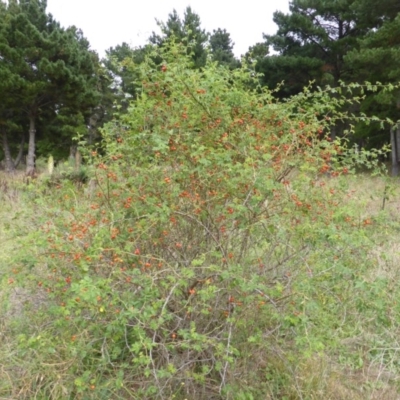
point(187, 30)
point(221, 48)
point(326, 42)
point(50, 71)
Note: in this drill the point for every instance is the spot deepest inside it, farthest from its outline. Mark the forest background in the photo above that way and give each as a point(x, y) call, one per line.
point(54, 87)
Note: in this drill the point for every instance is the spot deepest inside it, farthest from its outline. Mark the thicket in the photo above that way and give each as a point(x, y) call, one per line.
point(217, 252)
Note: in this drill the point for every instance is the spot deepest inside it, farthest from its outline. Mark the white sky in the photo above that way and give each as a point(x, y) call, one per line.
point(107, 23)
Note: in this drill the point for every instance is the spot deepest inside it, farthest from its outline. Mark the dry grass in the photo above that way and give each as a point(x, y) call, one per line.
point(319, 377)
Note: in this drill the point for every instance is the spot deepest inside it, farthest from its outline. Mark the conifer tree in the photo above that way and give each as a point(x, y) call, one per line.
point(221, 47)
point(188, 31)
point(311, 42)
point(51, 70)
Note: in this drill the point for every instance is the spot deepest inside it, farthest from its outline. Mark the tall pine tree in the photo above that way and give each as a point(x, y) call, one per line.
point(51, 70)
point(221, 47)
point(311, 43)
point(187, 31)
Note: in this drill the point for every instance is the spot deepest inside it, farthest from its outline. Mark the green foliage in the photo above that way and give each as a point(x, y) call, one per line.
point(50, 74)
point(210, 256)
point(221, 48)
point(314, 30)
point(187, 31)
point(324, 42)
point(377, 60)
point(294, 72)
point(123, 82)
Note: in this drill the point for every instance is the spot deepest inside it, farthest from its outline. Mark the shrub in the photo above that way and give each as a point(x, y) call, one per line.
point(215, 255)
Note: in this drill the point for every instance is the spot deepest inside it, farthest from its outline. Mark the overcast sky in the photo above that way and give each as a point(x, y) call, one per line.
point(107, 23)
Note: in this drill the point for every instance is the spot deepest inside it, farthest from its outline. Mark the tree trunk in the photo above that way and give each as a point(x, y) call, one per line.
point(20, 152)
point(9, 163)
point(395, 145)
point(92, 127)
point(30, 160)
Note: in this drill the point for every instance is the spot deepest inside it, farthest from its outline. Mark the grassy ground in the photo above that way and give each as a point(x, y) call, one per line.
point(11, 300)
point(368, 368)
